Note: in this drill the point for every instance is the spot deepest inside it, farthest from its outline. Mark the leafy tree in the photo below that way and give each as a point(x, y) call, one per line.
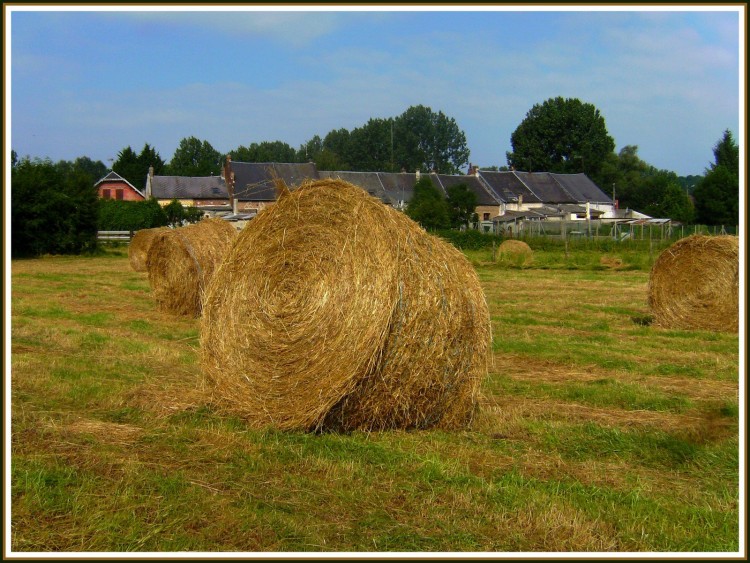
point(370, 147)
point(95, 169)
point(128, 166)
point(194, 157)
point(310, 150)
point(147, 158)
point(689, 182)
point(717, 195)
point(267, 151)
point(53, 209)
point(641, 186)
point(178, 215)
point(663, 197)
point(461, 205)
point(561, 135)
point(427, 206)
point(425, 140)
point(134, 167)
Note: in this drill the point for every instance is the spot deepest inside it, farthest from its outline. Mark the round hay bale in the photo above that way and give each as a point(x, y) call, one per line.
point(139, 245)
point(612, 262)
point(181, 261)
point(515, 250)
point(335, 311)
point(694, 284)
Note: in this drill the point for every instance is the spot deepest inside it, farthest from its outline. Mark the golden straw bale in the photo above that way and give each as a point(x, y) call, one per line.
point(139, 245)
point(694, 284)
point(181, 262)
point(335, 311)
point(515, 250)
point(612, 262)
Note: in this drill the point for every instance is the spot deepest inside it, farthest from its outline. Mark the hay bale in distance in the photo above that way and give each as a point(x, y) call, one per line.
point(515, 251)
point(694, 284)
point(612, 262)
point(335, 311)
point(181, 261)
point(139, 245)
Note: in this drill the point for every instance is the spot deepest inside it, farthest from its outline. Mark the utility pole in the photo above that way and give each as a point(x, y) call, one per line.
point(391, 145)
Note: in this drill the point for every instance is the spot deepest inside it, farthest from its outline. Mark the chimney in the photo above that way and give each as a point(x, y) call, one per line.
point(235, 207)
point(149, 180)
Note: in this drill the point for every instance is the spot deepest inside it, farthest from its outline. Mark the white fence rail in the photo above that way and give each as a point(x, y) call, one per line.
point(123, 236)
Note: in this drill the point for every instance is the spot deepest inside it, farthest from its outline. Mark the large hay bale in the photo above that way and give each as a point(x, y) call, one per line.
point(694, 284)
point(139, 245)
point(515, 251)
point(335, 311)
point(181, 261)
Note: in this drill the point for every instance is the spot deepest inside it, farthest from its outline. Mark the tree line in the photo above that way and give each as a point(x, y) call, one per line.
point(561, 135)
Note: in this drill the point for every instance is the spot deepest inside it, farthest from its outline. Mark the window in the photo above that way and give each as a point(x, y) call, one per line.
point(486, 216)
point(106, 194)
point(119, 194)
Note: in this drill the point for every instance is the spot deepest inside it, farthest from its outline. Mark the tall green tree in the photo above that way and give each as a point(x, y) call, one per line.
point(641, 186)
point(96, 170)
point(53, 209)
point(134, 167)
point(310, 150)
point(427, 206)
point(427, 140)
point(563, 135)
point(370, 147)
point(194, 157)
point(717, 196)
point(129, 167)
point(336, 151)
point(266, 151)
point(462, 204)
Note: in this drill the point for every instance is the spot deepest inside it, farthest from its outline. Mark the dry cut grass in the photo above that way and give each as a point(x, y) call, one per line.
point(597, 433)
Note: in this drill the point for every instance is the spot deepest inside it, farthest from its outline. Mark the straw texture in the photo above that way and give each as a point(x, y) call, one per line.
point(694, 284)
point(181, 261)
point(334, 311)
point(515, 250)
point(139, 245)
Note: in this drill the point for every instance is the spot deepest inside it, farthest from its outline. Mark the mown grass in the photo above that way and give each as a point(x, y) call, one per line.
point(597, 432)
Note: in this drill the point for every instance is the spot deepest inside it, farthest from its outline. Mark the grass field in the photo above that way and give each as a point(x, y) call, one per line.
point(598, 432)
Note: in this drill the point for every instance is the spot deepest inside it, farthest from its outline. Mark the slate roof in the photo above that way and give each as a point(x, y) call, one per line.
point(508, 187)
point(581, 188)
point(398, 186)
point(485, 194)
point(544, 187)
point(369, 181)
point(188, 187)
point(253, 181)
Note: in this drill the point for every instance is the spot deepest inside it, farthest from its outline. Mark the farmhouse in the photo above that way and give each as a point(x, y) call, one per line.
point(505, 200)
point(208, 193)
point(114, 186)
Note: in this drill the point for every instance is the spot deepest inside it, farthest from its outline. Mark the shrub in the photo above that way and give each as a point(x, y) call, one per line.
point(118, 215)
point(53, 210)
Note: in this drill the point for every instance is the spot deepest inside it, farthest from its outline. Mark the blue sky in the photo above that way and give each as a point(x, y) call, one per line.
point(89, 83)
